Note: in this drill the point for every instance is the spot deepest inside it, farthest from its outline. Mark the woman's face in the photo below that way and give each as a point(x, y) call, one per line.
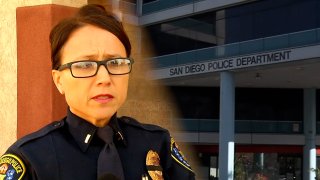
point(96, 98)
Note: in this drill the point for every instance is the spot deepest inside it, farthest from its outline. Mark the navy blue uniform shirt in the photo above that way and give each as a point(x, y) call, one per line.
point(69, 149)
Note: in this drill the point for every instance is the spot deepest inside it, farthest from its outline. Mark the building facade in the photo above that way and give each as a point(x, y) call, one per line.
point(245, 77)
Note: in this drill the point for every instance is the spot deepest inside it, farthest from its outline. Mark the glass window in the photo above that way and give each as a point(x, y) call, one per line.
point(318, 168)
point(268, 166)
point(148, 1)
point(269, 104)
point(254, 163)
point(249, 21)
point(197, 102)
point(184, 34)
point(251, 103)
point(208, 167)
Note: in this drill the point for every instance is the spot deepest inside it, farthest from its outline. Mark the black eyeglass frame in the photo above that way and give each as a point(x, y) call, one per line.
point(99, 63)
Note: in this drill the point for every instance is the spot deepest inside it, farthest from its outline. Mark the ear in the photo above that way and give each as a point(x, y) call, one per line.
point(56, 76)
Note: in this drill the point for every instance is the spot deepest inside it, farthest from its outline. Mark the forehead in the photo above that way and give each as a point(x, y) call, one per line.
point(91, 41)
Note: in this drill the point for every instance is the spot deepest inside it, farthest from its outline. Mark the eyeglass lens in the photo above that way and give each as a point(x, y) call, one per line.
point(90, 68)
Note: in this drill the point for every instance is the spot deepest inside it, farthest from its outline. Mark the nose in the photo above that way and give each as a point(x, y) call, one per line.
point(103, 76)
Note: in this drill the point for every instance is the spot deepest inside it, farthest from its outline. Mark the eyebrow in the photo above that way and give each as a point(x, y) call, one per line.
point(105, 56)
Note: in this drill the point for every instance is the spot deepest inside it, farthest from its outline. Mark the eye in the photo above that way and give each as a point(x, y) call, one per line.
point(114, 62)
point(83, 65)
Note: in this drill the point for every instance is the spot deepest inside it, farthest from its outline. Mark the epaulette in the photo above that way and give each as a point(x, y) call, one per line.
point(40, 133)
point(135, 123)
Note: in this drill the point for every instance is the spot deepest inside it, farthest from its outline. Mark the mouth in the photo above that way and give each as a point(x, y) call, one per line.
point(103, 98)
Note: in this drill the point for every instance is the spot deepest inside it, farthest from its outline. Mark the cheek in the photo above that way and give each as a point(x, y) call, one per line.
point(74, 90)
point(122, 88)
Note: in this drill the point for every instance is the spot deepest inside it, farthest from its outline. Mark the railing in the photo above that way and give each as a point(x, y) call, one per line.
point(296, 39)
point(245, 126)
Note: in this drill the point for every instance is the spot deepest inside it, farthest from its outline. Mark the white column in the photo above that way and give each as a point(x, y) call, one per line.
point(139, 8)
point(309, 119)
point(226, 129)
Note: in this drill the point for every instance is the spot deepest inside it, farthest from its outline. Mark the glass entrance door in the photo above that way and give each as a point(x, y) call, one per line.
point(268, 166)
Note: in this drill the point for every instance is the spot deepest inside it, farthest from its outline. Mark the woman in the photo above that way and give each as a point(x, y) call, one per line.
point(91, 65)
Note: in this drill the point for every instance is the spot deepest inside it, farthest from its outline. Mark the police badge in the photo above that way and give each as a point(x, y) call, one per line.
point(153, 165)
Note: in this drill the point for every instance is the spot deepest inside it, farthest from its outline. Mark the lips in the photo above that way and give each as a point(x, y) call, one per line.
point(103, 98)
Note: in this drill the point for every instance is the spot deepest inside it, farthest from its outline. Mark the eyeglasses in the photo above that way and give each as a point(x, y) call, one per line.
point(89, 68)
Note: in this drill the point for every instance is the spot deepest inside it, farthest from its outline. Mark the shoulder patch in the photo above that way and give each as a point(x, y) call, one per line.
point(178, 156)
point(11, 167)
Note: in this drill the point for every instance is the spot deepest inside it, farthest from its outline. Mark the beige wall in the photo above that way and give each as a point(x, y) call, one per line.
point(148, 101)
point(8, 65)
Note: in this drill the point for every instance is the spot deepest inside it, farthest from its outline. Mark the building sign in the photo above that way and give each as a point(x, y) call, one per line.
point(238, 62)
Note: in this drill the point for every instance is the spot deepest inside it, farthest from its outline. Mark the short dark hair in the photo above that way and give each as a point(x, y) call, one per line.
point(92, 14)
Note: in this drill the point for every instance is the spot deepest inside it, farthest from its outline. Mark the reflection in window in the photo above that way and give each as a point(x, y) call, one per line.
point(263, 166)
point(249, 21)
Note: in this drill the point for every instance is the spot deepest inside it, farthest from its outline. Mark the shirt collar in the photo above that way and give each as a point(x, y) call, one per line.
point(118, 134)
point(83, 131)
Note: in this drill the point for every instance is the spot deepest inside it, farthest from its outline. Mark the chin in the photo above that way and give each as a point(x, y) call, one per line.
point(102, 116)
